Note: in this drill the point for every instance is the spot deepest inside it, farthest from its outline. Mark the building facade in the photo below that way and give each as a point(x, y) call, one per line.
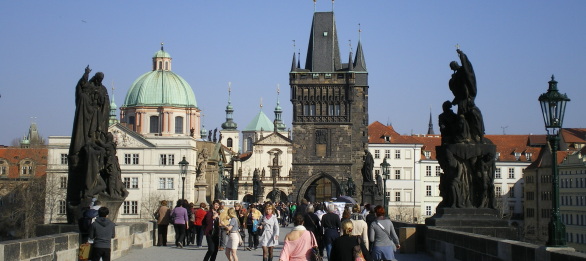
point(330, 115)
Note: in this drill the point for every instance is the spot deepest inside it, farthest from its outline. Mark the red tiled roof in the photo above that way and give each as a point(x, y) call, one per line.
point(574, 135)
point(378, 131)
point(429, 144)
point(508, 145)
point(13, 156)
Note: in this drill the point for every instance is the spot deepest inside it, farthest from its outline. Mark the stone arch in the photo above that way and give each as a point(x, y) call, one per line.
point(314, 178)
point(283, 196)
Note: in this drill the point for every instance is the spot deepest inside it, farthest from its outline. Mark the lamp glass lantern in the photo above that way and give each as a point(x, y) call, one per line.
point(183, 164)
point(385, 166)
point(553, 108)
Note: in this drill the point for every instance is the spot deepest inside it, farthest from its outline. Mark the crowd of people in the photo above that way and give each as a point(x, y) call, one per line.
point(349, 233)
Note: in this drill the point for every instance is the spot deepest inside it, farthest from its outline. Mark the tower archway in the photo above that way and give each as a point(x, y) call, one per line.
point(319, 188)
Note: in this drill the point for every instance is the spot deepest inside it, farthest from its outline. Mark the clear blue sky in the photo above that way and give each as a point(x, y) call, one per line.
point(515, 47)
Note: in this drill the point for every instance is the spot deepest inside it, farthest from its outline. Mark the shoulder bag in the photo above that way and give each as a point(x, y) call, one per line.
point(357, 250)
point(315, 256)
point(389, 235)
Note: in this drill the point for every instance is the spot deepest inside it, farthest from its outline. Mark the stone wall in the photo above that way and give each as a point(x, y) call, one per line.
point(65, 245)
point(445, 244)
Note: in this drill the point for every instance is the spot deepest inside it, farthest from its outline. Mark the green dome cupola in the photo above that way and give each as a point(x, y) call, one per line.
point(229, 124)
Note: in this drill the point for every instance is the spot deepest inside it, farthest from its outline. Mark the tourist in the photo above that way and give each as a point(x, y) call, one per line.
point(299, 242)
point(343, 248)
point(270, 236)
point(200, 214)
point(312, 223)
point(382, 234)
point(232, 229)
point(331, 224)
point(180, 223)
point(252, 223)
point(101, 234)
point(163, 216)
point(242, 215)
point(360, 228)
point(211, 226)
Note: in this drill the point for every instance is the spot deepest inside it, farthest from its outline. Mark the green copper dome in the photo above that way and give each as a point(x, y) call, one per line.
point(160, 88)
point(260, 122)
point(161, 54)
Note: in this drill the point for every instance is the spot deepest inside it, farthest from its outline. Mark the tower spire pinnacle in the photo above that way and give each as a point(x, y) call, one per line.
point(279, 126)
point(430, 125)
point(229, 124)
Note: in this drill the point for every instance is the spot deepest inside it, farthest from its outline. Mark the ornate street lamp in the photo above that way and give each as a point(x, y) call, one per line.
point(385, 166)
point(183, 173)
point(553, 107)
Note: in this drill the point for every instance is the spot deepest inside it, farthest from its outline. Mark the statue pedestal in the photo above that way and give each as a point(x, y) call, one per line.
point(113, 204)
point(200, 193)
point(370, 193)
point(483, 221)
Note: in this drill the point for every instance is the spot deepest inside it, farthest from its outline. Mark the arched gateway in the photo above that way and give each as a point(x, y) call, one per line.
point(319, 188)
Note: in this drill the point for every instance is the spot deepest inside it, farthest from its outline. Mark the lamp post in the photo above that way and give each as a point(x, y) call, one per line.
point(553, 107)
point(385, 167)
point(183, 163)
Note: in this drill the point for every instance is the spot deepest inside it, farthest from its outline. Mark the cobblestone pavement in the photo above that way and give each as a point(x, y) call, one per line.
point(170, 252)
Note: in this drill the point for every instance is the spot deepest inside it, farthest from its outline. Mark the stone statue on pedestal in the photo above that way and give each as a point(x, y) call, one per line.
point(93, 168)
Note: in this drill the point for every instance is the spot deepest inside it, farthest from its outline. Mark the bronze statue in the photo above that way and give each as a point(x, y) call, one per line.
point(367, 166)
point(93, 165)
point(351, 187)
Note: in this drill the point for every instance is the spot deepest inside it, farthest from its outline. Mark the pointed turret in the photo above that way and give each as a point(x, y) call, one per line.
point(278, 123)
point(359, 62)
point(229, 124)
point(113, 108)
point(430, 126)
point(350, 64)
point(294, 63)
point(323, 52)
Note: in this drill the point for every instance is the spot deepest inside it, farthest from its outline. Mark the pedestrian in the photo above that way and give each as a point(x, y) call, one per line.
point(223, 221)
point(232, 229)
point(332, 225)
point(211, 226)
point(347, 247)
point(382, 234)
point(360, 228)
point(101, 234)
point(242, 215)
point(180, 222)
point(270, 236)
point(312, 223)
point(200, 214)
point(299, 242)
point(163, 215)
point(252, 223)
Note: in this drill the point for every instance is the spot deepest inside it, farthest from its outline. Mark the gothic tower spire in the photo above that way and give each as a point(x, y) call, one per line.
point(430, 125)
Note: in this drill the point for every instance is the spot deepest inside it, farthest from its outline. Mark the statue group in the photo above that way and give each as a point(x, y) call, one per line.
point(466, 157)
point(93, 168)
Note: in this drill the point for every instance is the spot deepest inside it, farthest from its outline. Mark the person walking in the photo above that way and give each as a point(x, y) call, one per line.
point(360, 226)
point(180, 223)
point(200, 214)
point(331, 224)
point(252, 223)
point(242, 216)
point(347, 247)
point(101, 234)
point(299, 242)
point(382, 234)
point(163, 215)
point(232, 229)
point(211, 224)
point(270, 236)
point(311, 222)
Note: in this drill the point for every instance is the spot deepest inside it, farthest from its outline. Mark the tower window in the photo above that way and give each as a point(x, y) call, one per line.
point(166, 66)
point(249, 144)
point(160, 65)
point(229, 143)
point(154, 124)
point(178, 125)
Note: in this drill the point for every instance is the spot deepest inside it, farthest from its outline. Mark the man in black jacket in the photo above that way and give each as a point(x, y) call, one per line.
point(101, 234)
point(312, 223)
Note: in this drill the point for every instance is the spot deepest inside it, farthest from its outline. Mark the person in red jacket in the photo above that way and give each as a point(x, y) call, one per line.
point(200, 214)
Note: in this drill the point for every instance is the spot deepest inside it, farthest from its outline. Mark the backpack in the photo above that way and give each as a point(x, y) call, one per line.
point(85, 222)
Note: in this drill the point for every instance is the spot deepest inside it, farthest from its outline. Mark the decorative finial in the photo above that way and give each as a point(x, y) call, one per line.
point(552, 78)
point(359, 31)
point(278, 89)
point(261, 103)
point(314, 3)
point(350, 45)
point(229, 91)
point(457, 46)
point(294, 46)
point(332, 6)
point(162, 43)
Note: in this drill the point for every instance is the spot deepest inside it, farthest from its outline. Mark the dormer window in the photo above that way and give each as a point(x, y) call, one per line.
point(427, 154)
point(497, 156)
point(26, 167)
point(528, 155)
point(387, 138)
point(517, 155)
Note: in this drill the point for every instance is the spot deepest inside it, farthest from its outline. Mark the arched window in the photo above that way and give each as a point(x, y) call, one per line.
point(249, 144)
point(154, 124)
point(26, 167)
point(229, 143)
point(166, 66)
point(160, 66)
point(3, 167)
point(178, 125)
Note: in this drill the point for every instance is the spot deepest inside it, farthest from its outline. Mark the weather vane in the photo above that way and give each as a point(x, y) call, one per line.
point(457, 46)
